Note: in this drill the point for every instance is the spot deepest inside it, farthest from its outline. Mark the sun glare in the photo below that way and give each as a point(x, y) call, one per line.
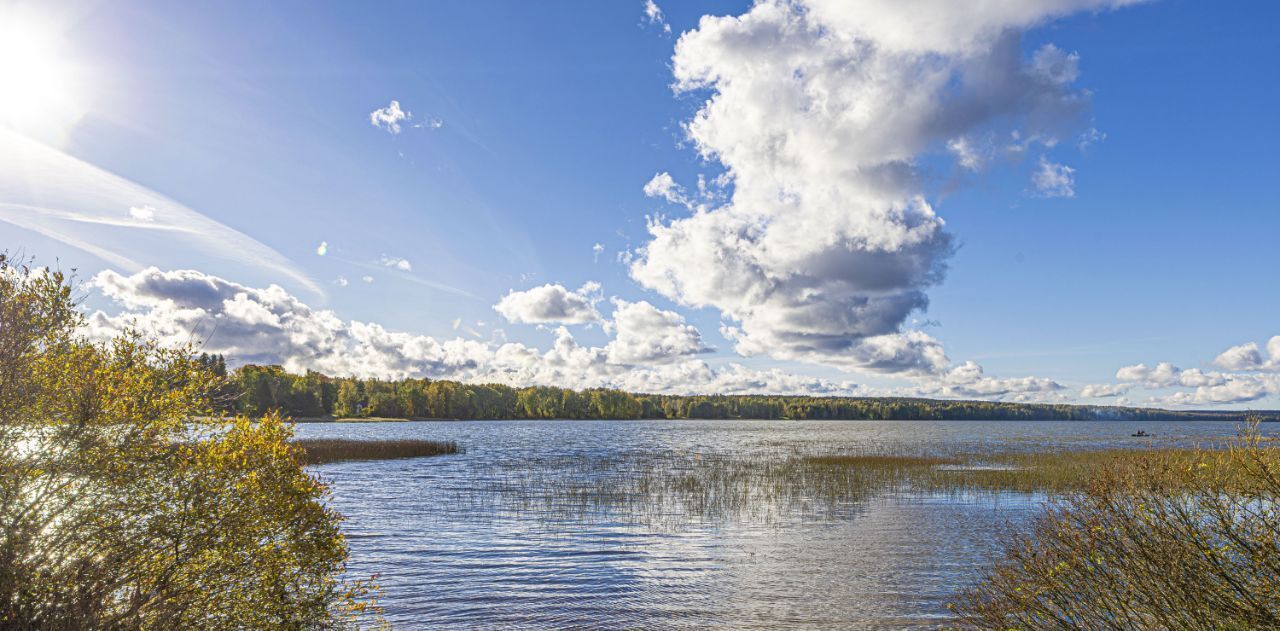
point(38, 93)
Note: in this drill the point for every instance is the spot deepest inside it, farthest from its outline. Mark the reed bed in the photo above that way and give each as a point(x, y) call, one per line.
point(673, 488)
point(326, 450)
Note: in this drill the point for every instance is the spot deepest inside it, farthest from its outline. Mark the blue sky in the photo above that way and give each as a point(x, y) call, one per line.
point(535, 127)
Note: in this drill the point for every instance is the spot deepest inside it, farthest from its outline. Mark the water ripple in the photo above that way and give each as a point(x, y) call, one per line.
point(450, 553)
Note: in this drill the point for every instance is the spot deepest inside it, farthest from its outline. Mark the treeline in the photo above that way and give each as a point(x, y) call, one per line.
point(256, 390)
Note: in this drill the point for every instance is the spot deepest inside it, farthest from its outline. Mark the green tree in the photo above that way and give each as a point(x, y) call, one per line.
point(350, 401)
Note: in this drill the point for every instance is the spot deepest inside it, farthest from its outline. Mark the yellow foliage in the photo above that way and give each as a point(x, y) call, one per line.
point(126, 503)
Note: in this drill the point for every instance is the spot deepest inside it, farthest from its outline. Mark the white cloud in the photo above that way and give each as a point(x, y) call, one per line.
point(270, 326)
point(1055, 65)
point(389, 118)
point(1198, 387)
point(143, 213)
point(1053, 180)
point(1231, 389)
point(367, 279)
point(653, 13)
point(1249, 357)
point(1242, 357)
point(645, 334)
point(649, 350)
point(1166, 375)
point(1162, 375)
point(596, 251)
point(967, 380)
point(943, 26)
point(341, 281)
point(551, 304)
point(322, 249)
point(662, 185)
point(394, 262)
point(1101, 390)
point(1250, 377)
point(1090, 137)
point(698, 377)
point(969, 154)
point(819, 111)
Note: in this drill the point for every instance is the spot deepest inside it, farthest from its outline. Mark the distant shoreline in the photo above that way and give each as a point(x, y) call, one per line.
point(1267, 416)
point(315, 397)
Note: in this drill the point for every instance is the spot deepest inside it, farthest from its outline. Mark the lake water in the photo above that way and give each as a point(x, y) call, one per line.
point(452, 548)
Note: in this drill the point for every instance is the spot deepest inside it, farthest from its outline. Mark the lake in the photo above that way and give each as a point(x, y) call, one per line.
point(471, 540)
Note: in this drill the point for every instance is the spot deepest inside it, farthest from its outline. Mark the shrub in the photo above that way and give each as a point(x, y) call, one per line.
point(1173, 543)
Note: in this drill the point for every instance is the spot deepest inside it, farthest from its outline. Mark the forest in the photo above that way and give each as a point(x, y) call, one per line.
point(256, 390)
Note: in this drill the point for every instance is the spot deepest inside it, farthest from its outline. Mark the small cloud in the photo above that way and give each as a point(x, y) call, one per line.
point(551, 304)
point(457, 322)
point(367, 279)
point(596, 251)
point(653, 13)
point(143, 213)
point(430, 123)
point(389, 118)
point(322, 249)
point(401, 264)
point(1054, 180)
point(969, 154)
point(341, 281)
point(664, 186)
point(1101, 390)
point(1090, 137)
point(1054, 65)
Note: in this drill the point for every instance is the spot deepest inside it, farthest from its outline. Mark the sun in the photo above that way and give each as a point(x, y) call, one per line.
point(39, 93)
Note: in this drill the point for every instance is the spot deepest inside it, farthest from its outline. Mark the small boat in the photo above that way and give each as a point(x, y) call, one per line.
point(1140, 434)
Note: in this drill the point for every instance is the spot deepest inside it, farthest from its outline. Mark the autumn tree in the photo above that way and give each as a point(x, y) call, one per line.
point(126, 502)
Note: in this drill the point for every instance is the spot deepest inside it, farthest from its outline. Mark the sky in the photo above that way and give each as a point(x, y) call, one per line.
point(1042, 200)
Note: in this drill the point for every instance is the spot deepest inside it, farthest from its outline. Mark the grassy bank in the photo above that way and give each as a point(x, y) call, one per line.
point(325, 450)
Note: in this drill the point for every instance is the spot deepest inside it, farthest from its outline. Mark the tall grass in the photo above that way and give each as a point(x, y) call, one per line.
point(669, 488)
point(326, 450)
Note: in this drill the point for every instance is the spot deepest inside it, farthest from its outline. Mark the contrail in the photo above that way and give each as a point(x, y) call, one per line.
point(65, 198)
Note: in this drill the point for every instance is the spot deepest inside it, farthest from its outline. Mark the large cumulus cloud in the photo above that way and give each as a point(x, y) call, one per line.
point(819, 111)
